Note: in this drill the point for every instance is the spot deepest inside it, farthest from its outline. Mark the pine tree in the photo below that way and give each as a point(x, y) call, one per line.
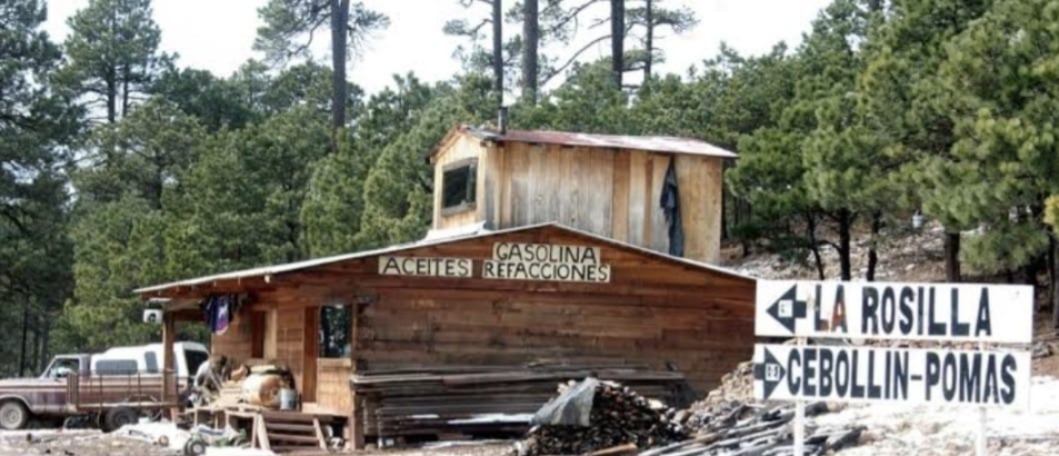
point(37, 123)
point(290, 26)
point(1001, 75)
point(904, 102)
point(113, 54)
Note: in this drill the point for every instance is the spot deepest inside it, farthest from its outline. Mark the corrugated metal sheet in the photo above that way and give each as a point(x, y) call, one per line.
point(651, 143)
point(290, 267)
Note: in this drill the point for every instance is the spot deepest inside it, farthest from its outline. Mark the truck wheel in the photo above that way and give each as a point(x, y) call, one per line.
point(153, 414)
point(13, 415)
point(118, 417)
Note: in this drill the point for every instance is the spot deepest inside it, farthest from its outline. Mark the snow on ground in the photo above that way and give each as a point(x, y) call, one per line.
point(944, 431)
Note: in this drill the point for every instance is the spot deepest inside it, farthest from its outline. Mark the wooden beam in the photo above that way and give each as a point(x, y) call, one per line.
point(311, 345)
point(169, 363)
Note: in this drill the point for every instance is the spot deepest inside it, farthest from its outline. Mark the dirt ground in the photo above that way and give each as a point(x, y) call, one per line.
point(76, 443)
point(95, 443)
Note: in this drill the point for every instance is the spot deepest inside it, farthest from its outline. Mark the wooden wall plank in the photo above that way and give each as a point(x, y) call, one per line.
point(700, 201)
point(311, 350)
point(659, 240)
point(596, 179)
point(552, 179)
point(568, 187)
point(505, 186)
point(536, 183)
point(637, 196)
point(620, 196)
point(713, 209)
point(519, 162)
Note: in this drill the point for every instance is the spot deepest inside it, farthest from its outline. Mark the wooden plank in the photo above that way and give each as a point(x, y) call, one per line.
point(570, 203)
point(659, 240)
point(713, 208)
point(262, 433)
point(490, 165)
point(168, 393)
point(320, 435)
point(438, 191)
point(647, 202)
point(536, 184)
point(520, 193)
point(596, 172)
point(620, 196)
point(271, 334)
point(505, 186)
point(552, 176)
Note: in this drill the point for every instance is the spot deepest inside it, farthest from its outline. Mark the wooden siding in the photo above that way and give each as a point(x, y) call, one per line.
point(332, 385)
point(460, 148)
point(655, 312)
point(700, 179)
point(613, 193)
point(238, 341)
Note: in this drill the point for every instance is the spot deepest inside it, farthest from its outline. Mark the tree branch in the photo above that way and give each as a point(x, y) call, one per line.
point(573, 57)
point(571, 15)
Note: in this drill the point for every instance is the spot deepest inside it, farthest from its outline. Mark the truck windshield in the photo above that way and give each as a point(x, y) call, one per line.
point(61, 367)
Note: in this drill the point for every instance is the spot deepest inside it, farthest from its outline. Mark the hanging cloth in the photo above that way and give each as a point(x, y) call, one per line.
point(670, 202)
point(218, 310)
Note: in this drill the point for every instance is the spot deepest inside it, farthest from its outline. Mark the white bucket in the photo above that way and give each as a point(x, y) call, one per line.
point(288, 399)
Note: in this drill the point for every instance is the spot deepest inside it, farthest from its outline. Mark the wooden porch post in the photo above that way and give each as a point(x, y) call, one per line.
point(356, 421)
point(169, 386)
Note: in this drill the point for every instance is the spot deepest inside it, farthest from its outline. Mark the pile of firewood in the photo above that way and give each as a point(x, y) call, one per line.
point(487, 400)
point(619, 418)
point(735, 385)
point(739, 427)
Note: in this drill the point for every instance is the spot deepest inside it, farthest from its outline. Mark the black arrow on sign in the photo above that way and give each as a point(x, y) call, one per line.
point(771, 372)
point(798, 309)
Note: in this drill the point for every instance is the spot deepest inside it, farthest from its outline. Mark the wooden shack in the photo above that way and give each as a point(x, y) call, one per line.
point(490, 290)
point(608, 185)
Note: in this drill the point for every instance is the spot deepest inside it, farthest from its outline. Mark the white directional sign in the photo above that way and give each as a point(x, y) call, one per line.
point(880, 310)
point(925, 376)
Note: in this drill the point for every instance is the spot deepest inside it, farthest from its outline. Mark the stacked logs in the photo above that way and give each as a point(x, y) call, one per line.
point(619, 418)
point(738, 427)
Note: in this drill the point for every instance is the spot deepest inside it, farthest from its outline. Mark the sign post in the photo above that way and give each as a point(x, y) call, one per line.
point(799, 419)
point(981, 378)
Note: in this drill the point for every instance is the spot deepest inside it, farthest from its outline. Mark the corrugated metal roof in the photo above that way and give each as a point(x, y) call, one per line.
point(300, 265)
point(668, 144)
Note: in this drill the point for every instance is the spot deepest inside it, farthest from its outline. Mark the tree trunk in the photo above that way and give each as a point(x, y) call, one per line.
point(33, 365)
point(498, 53)
point(42, 361)
point(339, 37)
point(125, 75)
point(530, 46)
point(617, 40)
point(25, 329)
point(814, 245)
point(112, 98)
point(845, 222)
point(873, 247)
point(649, 41)
point(952, 257)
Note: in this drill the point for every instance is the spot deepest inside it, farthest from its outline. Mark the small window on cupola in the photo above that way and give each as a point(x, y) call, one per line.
point(459, 184)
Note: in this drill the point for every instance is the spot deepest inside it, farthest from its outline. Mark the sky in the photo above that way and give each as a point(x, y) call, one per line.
point(218, 35)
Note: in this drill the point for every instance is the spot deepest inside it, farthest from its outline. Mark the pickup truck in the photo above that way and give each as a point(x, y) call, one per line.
point(115, 387)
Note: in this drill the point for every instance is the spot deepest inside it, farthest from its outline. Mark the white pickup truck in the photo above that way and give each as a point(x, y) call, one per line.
point(116, 386)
